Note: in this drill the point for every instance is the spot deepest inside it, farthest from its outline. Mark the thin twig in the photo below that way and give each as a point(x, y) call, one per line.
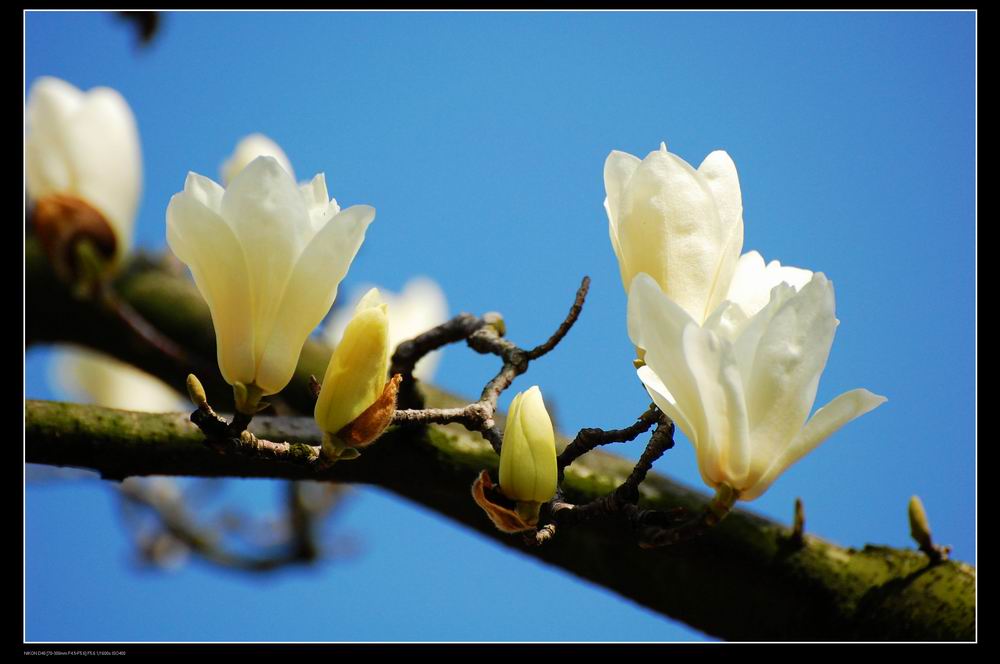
point(145, 332)
point(171, 510)
point(591, 438)
point(574, 313)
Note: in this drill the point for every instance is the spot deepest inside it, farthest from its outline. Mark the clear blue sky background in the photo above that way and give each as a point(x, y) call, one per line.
point(480, 138)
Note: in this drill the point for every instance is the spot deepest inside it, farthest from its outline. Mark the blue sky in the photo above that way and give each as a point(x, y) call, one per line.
point(480, 139)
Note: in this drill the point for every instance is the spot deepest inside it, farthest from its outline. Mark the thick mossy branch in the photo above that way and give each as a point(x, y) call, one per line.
point(744, 579)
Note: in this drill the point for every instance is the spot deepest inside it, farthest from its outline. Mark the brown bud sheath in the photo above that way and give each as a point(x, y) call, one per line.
point(370, 424)
point(63, 221)
point(506, 520)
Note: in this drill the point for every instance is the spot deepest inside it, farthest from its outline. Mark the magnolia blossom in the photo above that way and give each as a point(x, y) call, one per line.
point(681, 226)
point(90, 377)
point(420, 307)
point(248, 149)
point(268, 257)
point(84, 162)
point(742, 385)
point(528, 472)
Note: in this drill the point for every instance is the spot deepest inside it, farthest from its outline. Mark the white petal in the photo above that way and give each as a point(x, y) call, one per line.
point(265, 208)
point(724, 450)
point(204, 190)
point(719, 173)
point(201, 239)
point(824, 423)
point(321, 207)
point(47, 168)
point(658, 324)
point(248, 149)
point(51, 105)
point(749, 332)
point(646, 299)
point(311, 291)
point(790, 358)
point(666, 402)
point(669, 228)
point(752, 281)
point(618, 169)
point(86, 376)
point(103, 148)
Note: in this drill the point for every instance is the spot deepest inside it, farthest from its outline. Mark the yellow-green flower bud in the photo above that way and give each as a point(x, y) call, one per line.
point(355, 379)
point(528, 472)
point(920, 529)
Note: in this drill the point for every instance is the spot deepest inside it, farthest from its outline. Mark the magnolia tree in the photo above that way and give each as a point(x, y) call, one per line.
point(729, 349)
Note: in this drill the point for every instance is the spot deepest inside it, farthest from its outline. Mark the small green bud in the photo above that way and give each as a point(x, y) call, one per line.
point(920, 530)
point(196, 392)
point(495, 320)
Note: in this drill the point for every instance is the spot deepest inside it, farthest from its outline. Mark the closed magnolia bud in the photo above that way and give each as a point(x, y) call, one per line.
point(418, 308)
point(680, 225)
point(528, 471)
point(355, 379)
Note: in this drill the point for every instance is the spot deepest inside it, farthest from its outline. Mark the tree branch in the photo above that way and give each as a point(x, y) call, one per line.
point(747, 578)
point(744, 579)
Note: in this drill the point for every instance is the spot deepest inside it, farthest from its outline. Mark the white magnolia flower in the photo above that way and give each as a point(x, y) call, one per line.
point(84, 147)
point(742, 385)
point(420, 307)
point(681, 226)
point(87, 376)
point(268, 257)
point(248, 149)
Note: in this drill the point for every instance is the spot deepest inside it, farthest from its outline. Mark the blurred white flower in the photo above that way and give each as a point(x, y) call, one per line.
point(83, 167)
point(248, 149)
point(268, 257)
point(86, 376)
point(742, 385)
point(421, 306)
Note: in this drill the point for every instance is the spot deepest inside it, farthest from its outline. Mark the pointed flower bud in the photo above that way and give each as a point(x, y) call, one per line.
point(920, 529)
point(268, 257)
point(356, 403)
point(420, 307)
point(83, 172)
point(528, 472)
